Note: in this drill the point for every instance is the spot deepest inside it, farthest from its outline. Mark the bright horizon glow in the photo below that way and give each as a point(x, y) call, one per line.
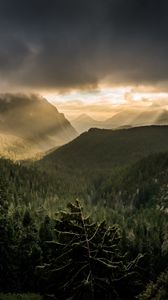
point(104, 102)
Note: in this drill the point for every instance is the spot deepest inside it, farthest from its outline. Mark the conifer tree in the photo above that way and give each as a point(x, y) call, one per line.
point(87, 263)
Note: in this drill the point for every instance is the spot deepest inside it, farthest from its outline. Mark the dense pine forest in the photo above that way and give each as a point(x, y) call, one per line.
point(68, 234)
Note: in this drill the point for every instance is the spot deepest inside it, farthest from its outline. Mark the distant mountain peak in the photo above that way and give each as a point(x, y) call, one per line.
point(84, 117)
point(84, 122)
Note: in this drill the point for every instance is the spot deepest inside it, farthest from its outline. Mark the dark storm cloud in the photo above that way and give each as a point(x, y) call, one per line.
point(78, 43)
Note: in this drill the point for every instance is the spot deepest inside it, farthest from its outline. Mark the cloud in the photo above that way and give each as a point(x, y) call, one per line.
point(62, 44)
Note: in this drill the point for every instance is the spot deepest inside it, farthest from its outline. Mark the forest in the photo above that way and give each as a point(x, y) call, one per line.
point(80, 235)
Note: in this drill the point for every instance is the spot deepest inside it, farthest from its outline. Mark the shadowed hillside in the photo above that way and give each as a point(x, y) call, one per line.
point(100, 148)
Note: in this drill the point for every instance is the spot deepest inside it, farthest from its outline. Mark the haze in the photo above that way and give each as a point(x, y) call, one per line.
point(103, 103)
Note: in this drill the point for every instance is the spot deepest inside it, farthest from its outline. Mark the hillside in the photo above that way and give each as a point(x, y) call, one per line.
point(104, 149)
point(143, 183)
point(30, 125)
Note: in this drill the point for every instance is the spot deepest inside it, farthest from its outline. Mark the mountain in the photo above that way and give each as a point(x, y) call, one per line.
point(30, 125)
point(137, 117)
point(125, 118)
point(85, 122)
point(122, 118)
point(105, 149)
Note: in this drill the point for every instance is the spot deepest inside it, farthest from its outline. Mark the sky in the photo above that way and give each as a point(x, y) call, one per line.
point(85, 54)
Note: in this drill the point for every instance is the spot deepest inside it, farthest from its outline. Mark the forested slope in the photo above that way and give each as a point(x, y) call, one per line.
point(104, 149)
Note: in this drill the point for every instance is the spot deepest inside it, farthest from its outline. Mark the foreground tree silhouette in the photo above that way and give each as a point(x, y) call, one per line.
point(87, 263)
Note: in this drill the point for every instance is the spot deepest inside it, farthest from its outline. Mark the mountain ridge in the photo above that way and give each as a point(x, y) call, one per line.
point(131, 117)
point(83, 122)
point(106, 148)
point(33, 124)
